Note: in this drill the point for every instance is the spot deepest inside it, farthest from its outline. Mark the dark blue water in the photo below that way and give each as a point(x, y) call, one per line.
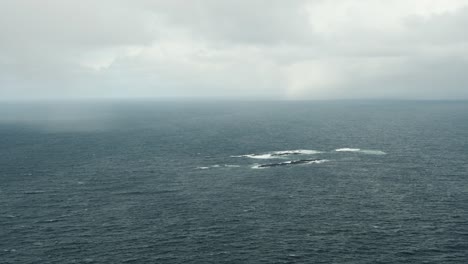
point(160, 182)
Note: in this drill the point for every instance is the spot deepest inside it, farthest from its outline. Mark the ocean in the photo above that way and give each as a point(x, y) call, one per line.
point(234, 182)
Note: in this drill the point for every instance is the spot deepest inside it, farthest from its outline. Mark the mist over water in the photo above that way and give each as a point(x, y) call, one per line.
point(213, 170)
point(234, 182)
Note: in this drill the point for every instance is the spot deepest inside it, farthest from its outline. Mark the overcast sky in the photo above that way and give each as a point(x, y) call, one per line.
point(265, 49)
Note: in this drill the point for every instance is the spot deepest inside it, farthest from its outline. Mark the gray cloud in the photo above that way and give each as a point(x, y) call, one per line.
point(259, 22)
point(319, 49)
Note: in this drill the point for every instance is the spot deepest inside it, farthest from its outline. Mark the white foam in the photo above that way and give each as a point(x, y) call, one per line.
point(373, 152)
point(218, 166)
point(287, 163)
point(364, 151)
point(317, 161)
point(257, 167)
point(279, 154)
point(348, 150)
point(258, 156)
point(297, 151)
point(231, 166)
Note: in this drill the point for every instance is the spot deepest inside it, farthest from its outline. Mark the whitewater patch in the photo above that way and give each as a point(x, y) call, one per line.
point(348, 150)
point(217, 166)
point(289, 163)
point(279, 154)
point(231, 166)
point(364, 151)
point(318, 161)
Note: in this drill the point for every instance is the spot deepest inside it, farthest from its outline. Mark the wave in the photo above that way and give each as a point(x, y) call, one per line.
point(231, 166)
point(317, 161)
point(373, 152)
point(364, 151)
point(218, 166)
point(348, 150)
point(279, 154)
point(289, 163)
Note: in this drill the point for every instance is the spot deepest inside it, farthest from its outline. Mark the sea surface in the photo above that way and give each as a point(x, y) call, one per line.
point(234, 182)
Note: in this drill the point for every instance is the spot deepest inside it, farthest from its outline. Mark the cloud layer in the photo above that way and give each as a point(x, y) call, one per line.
point(261, 49)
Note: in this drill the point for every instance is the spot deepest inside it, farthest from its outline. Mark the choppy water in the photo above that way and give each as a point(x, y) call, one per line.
point(297, 182)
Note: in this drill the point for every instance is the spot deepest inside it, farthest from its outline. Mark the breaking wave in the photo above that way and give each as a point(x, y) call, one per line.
point(289, 163)
point(279, 154)
point(231, 166)
point(364, 151)
point(218, 166)
point(348, 150)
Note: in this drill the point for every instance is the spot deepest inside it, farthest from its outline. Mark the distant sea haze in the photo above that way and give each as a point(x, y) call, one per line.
point(234, 182)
